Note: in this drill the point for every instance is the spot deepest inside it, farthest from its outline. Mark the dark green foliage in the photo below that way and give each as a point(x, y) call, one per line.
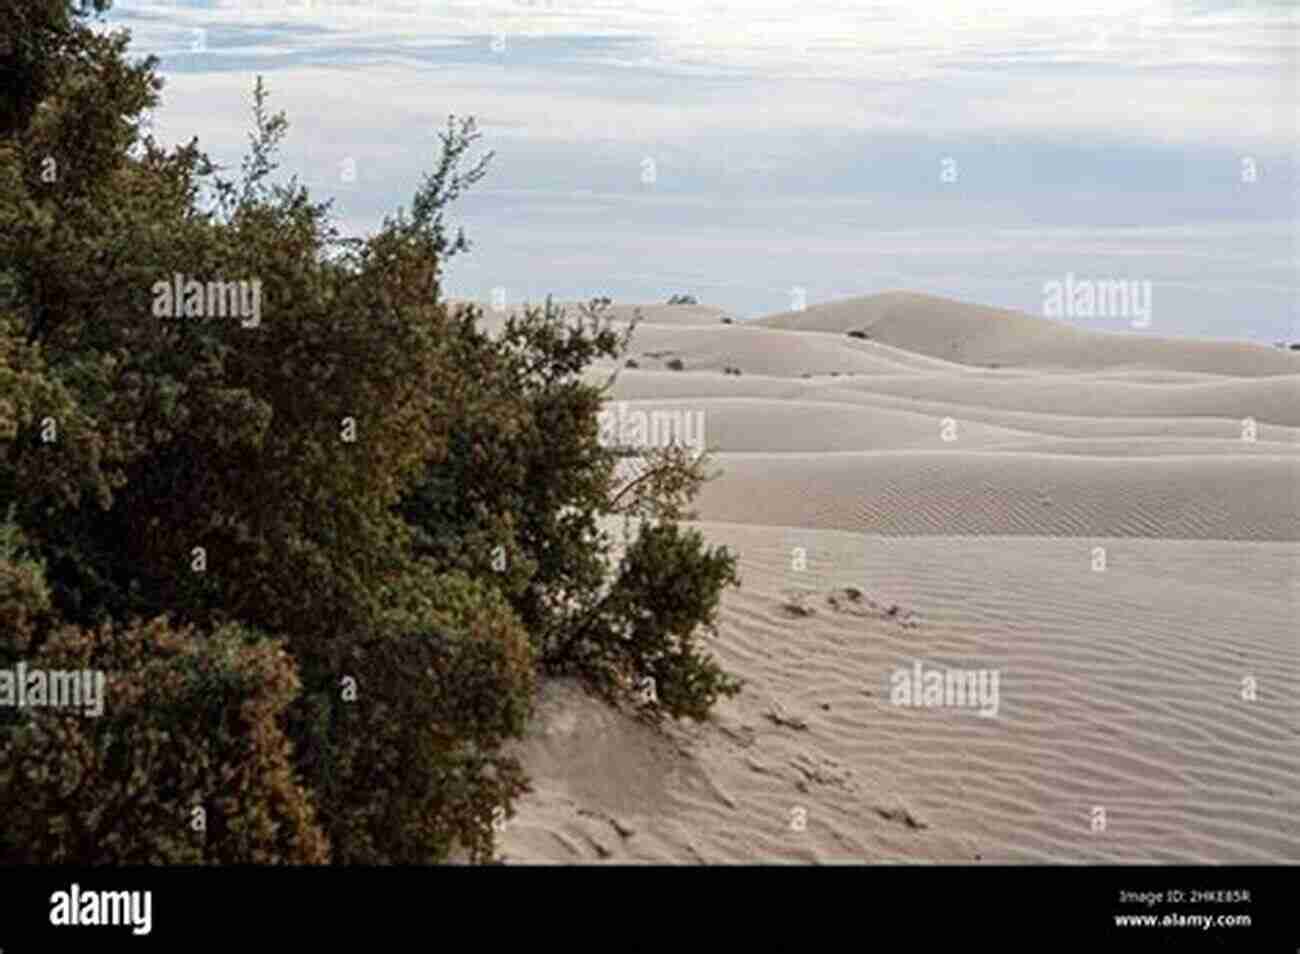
point(186, 722)
point(683, 300)
point(648, 623)
point(412, 767)
point(528, 474)
point(38, 40)
point(25, 606)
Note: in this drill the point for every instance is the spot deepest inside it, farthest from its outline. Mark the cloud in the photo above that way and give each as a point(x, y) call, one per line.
point(807, 137)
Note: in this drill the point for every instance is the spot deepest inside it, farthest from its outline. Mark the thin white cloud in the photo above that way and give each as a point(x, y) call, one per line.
point(1132, 71)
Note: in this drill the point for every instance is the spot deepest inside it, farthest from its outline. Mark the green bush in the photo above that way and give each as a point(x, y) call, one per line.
point(528, 475)
point(188, 723)
point(410, 765)
point(649, 623)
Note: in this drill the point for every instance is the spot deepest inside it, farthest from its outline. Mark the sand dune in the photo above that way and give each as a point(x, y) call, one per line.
point(1275, 400)
point(976, 334)
point(1178, 420)
point(775, 352)
point(1108, 697)
point(1243, 497)
point(754, 424)
point(900, 506)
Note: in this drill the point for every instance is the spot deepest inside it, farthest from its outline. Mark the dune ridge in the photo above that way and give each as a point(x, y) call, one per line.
point(977, 334)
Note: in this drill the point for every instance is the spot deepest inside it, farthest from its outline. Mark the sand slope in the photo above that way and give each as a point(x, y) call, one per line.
point(976, 334)
point(912, 508)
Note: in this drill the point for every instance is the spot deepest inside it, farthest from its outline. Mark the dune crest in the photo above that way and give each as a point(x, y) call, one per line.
point(979, 335)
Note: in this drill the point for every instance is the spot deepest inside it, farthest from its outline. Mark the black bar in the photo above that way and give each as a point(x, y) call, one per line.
point(664, 909)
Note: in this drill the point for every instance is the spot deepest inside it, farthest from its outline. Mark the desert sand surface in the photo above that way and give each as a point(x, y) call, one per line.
point(1109, 523)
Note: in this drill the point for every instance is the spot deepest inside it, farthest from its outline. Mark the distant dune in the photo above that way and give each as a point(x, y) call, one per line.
point(976, 334)
point(897, 502)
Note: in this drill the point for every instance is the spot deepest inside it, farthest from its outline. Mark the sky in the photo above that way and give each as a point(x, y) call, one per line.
point(762, 153)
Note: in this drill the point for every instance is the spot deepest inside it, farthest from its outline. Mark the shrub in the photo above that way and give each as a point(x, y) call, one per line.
point(188, 722)
point(859, 334)
point(410, 765)
point(675, 364)
point(535, 481)
point(648, 625)
point(631, 364)
point(175, 449)
point(683, 300)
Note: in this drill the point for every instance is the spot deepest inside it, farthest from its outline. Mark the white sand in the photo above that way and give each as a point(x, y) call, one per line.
point(1119, 689)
